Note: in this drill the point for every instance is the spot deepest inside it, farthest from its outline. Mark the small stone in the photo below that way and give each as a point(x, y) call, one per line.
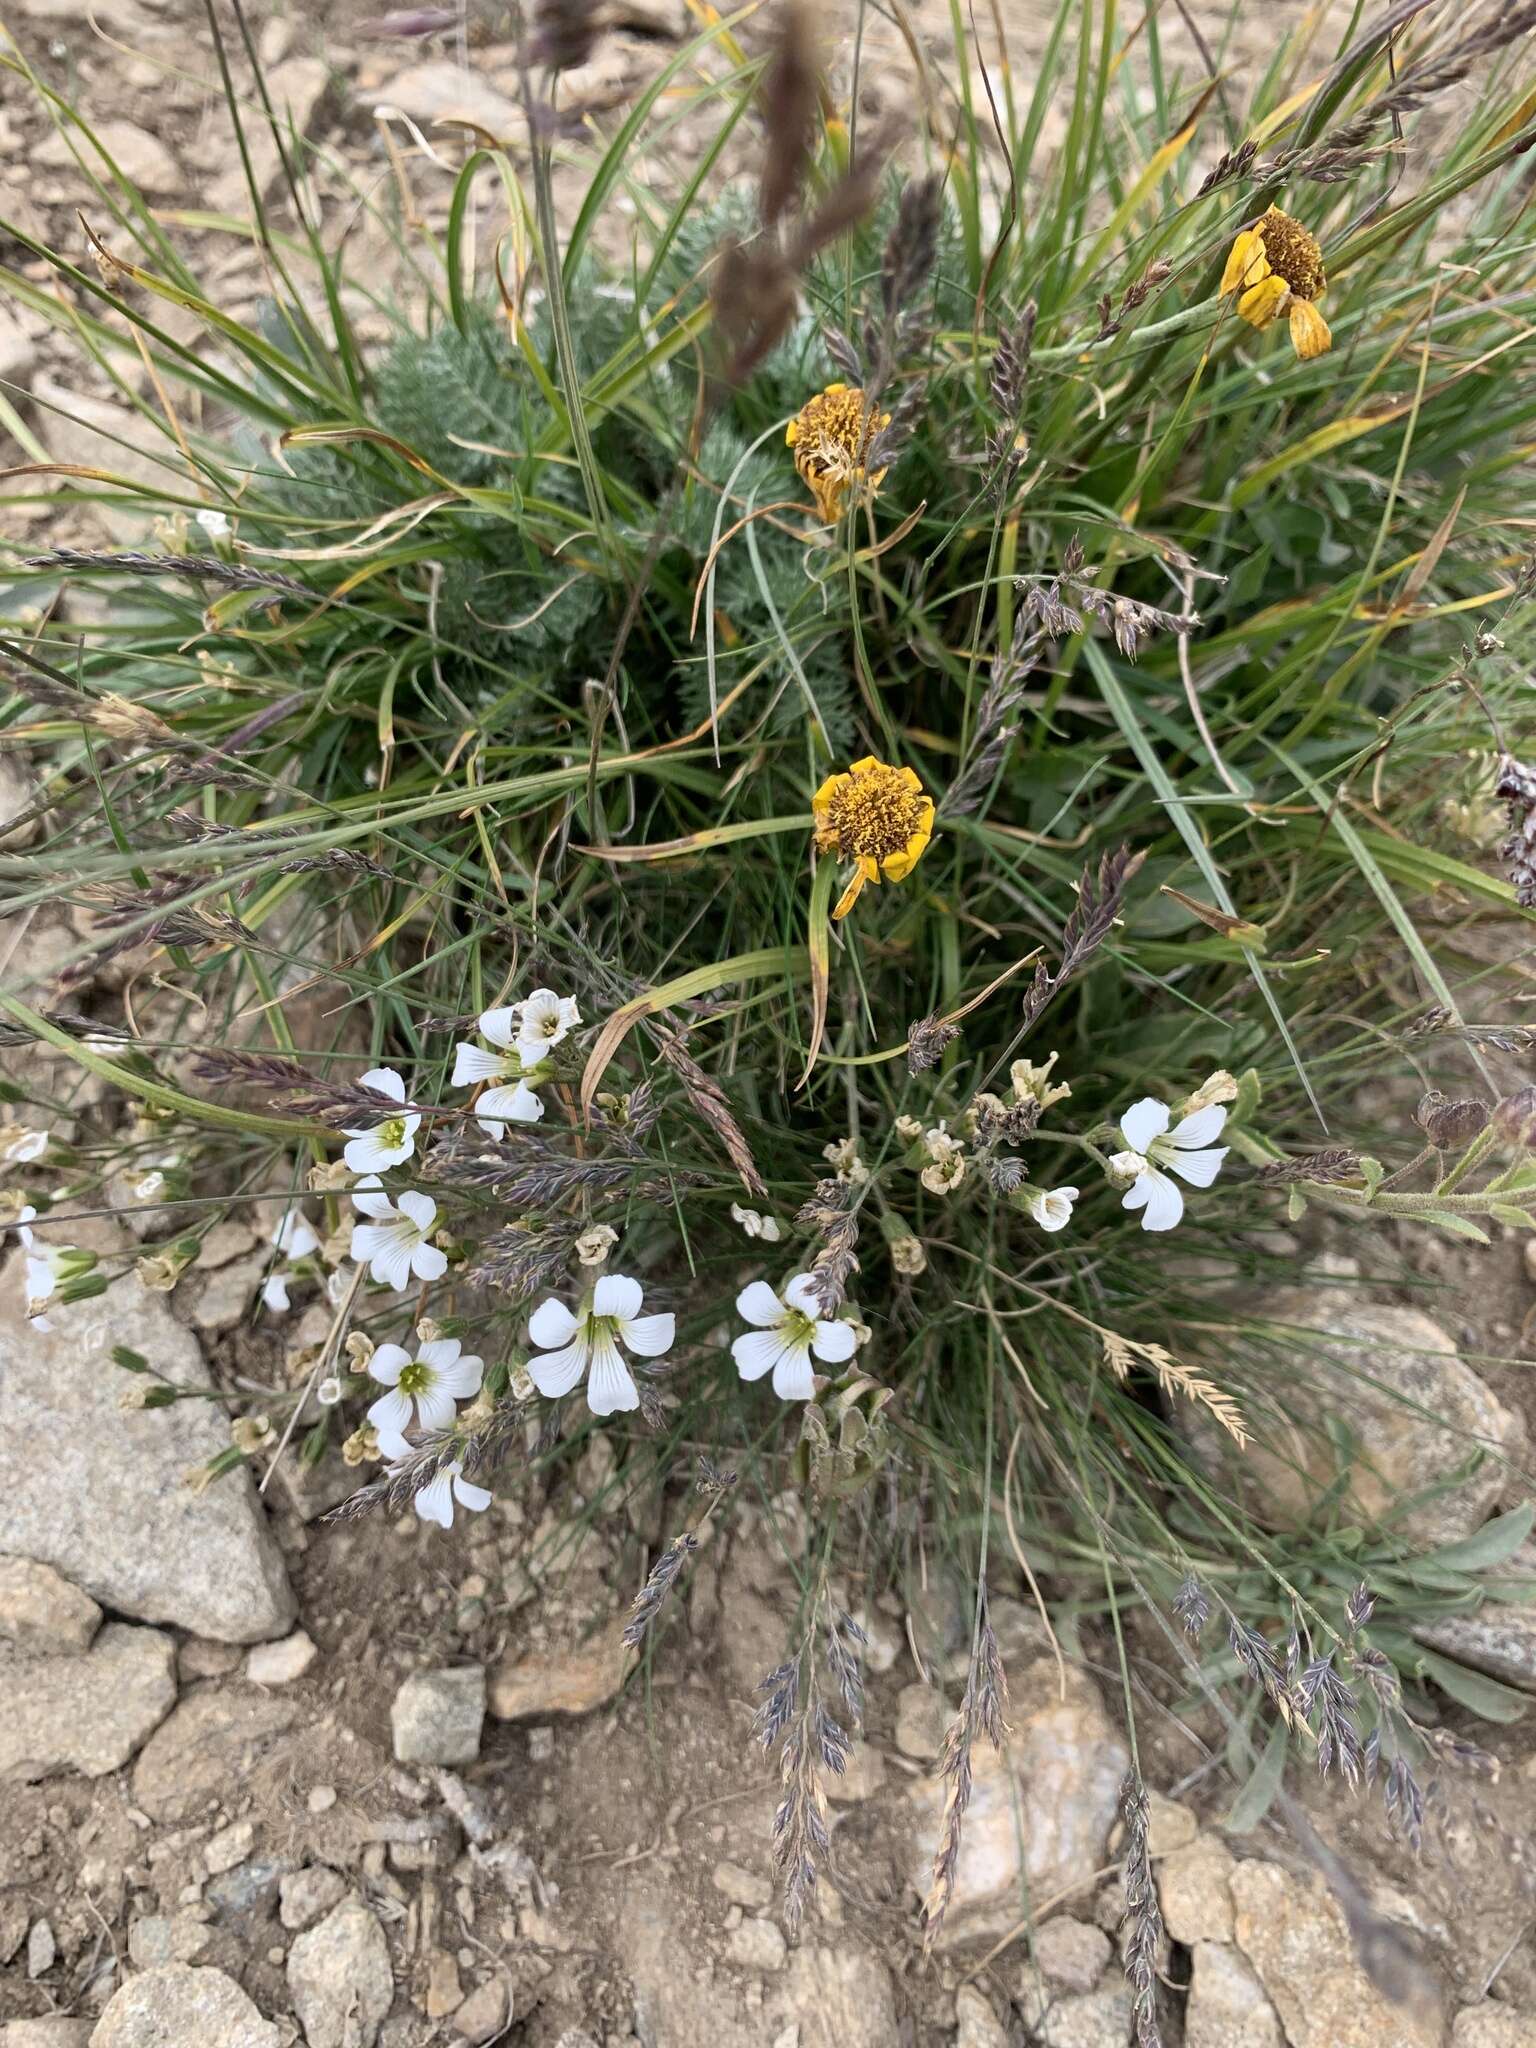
point(742, 1887)
point(225, 1296)
point(445, 1994)
point(198, 1658)
point(157, 1939)
point(1092, 2019)
point(1492, 2025)
point(544, 1682)
point(142, 160)
point(87, 1713)
point(483, 2014)
point(340, 1980)
point(42, 1950)
point(1499, 1638)
point(176, 2004)
point(54, 2032)
point(321, 1798)
point(297, 89)
point(1169, 1825)
point(42, 1613)
point(921, 1719)
point(1071, 1953)
point(861, 1778)
point(307, 1895)
point(438, 91)
point(1194, 1888)
point(437, 1716)
point(281, 1663)
point(756, 1945)
point(842, 1997)
point(226, 1241)
point(212, 1741)
point(228, 1847)
point(1227, 2006)
point(978, 2025)
point(541, 1745)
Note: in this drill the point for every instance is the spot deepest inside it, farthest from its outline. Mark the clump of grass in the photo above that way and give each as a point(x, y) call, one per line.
point(1073, 754)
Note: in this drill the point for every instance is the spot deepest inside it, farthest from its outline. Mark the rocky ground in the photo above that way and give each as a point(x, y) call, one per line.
point(271, 1779)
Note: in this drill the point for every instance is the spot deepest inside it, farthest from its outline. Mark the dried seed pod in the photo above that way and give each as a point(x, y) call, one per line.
point(1450, 1125)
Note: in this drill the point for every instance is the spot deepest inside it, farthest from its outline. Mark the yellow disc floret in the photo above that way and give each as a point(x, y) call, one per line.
point(1276, 267)
point(876, 816)
point(830, 435)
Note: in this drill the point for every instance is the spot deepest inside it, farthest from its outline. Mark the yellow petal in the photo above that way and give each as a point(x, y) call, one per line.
point(1310, 335)
point(824, 795)
point(850, 895)
point(909, 778)
point(835, 387)
point(863, 767)
point(791, 433)
point(1264, 302)
point(829, 493)
point(1246, 262)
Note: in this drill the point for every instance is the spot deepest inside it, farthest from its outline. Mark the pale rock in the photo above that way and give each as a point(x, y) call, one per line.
point(1416, 1412)
point(1492, 2025)
point(444, 1994)
point(1227, 2006)
point(297, 89)
point(226, 1241)
point(53, 2032)
point(1194, 1889)
point(755, 1945)
point(1038, 1819)
point(108, 1507)
point(42, 1949)
point(307, 1895)
point(212, 1741)
point(87, 1713)
point(230, 1846)
point(921, 1718)
point(157, 1939)
point(283, 1662)
point(1087, 2019)
point(1291, 1930)
point(142, 160)
point(313, 1490)
point(340, 1980)
point(199, 1658)
point(1498, 1638)
point(442, 91)
point(176, 2006)
point(744, 1888)
point(227, 1296)
point(665, 18)
point(977, 2025)
point(437, 1716)
point(1071, 1953)
point(861, 1778)
point(1170, 1826)
point(842, 1997)
point(42, 1613)
point(98, 434)
point(483, 2014)
point(573, 1681)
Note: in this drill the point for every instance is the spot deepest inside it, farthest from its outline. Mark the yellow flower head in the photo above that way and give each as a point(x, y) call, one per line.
point(877, 816)
point(1276, 267)
point(830, 436)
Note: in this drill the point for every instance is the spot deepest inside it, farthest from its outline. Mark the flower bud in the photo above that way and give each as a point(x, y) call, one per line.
point(1514, 1120)
point(1124, 1169)
point(1450, 1125)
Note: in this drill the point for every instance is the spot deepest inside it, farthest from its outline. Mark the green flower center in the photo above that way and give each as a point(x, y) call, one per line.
point(415, 1378)
point(392, 1132)
point(798, 1327)
point(602, 1329)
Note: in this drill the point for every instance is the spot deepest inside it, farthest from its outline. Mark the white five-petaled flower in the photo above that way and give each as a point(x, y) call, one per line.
point(394, 1245)
point(756, 1225)
point(1187, 1149)
point(46, 1266)
point(20, 1146)
point(568, 1343)
point(511, 1064)
point(213, 522)
point(787, 1328)
point(437, 1377)
point(294, 1236)
point(434, 1501)
point(544, 1019)
point(1052, 1207)
point(386, 1143)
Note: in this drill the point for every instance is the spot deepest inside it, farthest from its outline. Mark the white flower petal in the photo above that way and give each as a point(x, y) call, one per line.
point(371, 1204)
point(434, 1501)
point(387, 1363)
point(1159, 1200)
point(800, 1292)
point(472, 1063)
point(610, 1386)
point(500, 1026)
point(462, 1378)
point(793, 1379)
point(555, 1372)
point(428, 1263)
point(648, 1336)
point(435, 1407)
point(617, 1295)
point(758, 1352)
point(833, 1344)
point(274, 1294)
point(370, 1154)
point(1201, 1126)
point(1144, 1121)
point(759, 1305)
point(386, 1082)
point(421, 1209)
point(516, 1102)
point(440, 1353)
point(1199, 1168)
point(295, 1235)
point(391, 1413)
point(467, 1494)
point(551, 1324)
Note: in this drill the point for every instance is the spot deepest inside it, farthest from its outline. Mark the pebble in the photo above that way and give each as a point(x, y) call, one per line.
point(1227, 2007)
point(921, 1718)
point(282, 1662)
point(444, 1993)
point(862, 1777)
point(85, 1713)
point(42, 1949)
point(483, 2013)
point(228, 1847)
point(978, 2025)
point(742, 1887)
point(321, 1798)
point(340, 1980)
point(1072, 1953)
point(42, 1613)
point(756, 1945)
point(307, 1895)
point(437, 1716)
point(1194, 1888)
point(158, 1938)
point(545, 1682)
point(178, 2004)
point(1492, 2025)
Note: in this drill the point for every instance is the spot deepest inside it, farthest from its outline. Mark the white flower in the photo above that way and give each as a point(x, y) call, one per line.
point(274, 1291)
point(1052, 1207)
point(214, 523)
point(594, 1245)
point(843, 1156)
point(434, 1380)
point(1186, 1149)
point(946, 1167)
point(1034, 1084)
point(512, 1100)
point(19, 1146)
point(570, 1342)
point(434, 1501)
point(765, 1227)
point(394, 1245)
point(787, 1328)
point(386, 1144)
point(544, 1019)
point(294, 1235)
point(328, 1393)
point(146, 1187)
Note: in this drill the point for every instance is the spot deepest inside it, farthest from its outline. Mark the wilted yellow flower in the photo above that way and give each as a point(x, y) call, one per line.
point(361, 1446)
point(875, 815)
point(1276, 267)
point(830, 435)
point(1220, 1087)
point(1034, 1084)
point(908, 1256)
point(594, 1245)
